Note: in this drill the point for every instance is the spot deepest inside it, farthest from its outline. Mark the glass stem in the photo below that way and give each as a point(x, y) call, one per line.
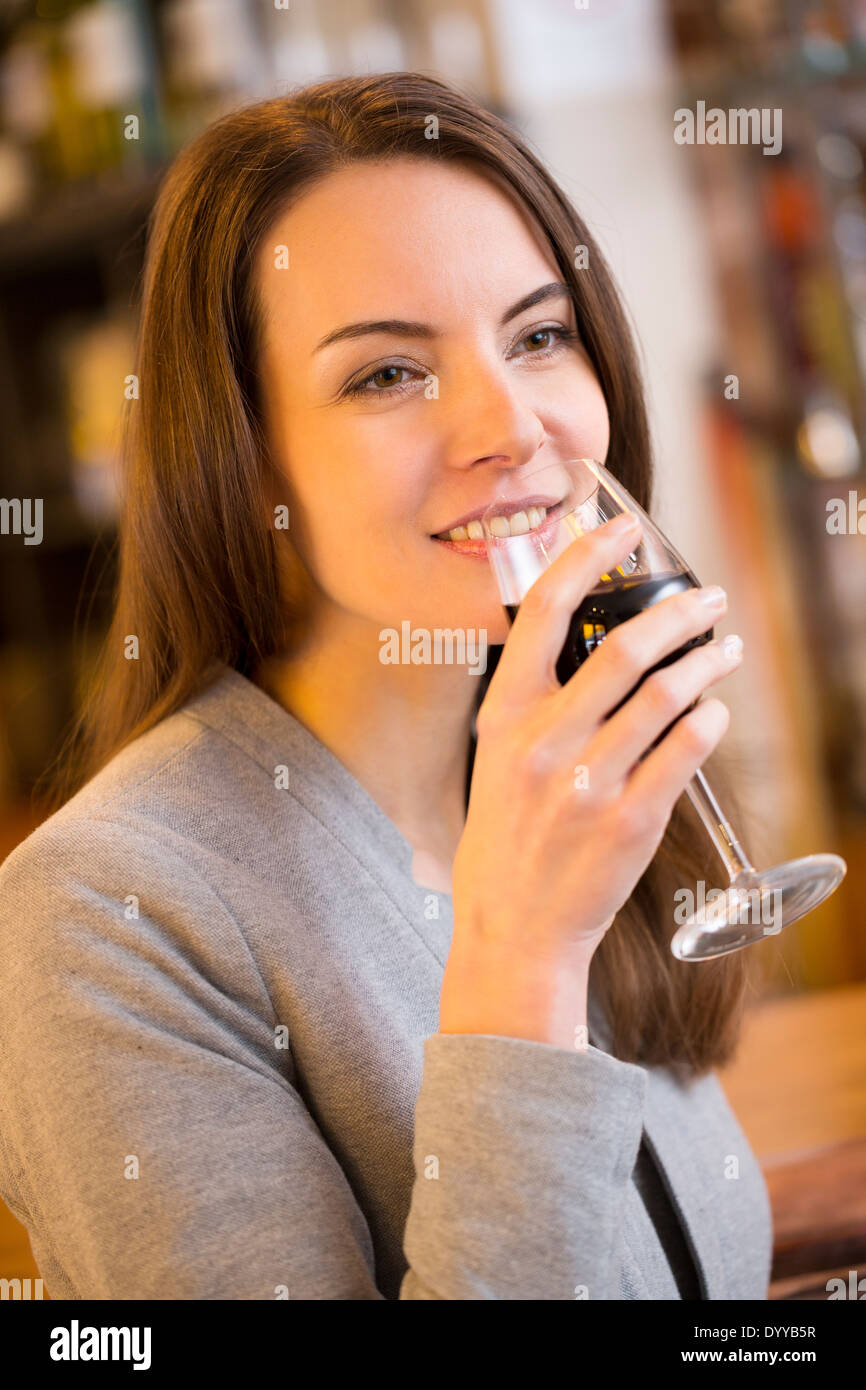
point(719, 828)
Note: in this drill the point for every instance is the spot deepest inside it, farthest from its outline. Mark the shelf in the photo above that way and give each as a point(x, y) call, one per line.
point(75, 221)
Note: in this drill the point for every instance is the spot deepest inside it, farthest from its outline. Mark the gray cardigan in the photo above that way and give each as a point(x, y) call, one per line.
point(220, 1075)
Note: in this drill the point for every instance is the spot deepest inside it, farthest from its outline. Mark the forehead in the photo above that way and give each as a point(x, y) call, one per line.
point(406, 236)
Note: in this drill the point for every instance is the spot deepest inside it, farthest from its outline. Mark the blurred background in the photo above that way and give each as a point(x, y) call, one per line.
point(745, 277)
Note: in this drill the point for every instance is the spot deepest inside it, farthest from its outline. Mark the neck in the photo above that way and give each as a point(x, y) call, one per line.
point(403, 731)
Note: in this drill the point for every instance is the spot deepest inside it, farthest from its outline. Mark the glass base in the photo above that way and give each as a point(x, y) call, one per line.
point(758, 904)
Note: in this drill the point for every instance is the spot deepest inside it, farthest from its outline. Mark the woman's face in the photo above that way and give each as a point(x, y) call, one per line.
point(388, 436)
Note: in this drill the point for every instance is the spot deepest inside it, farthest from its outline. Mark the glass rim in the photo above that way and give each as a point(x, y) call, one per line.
point(575, 497)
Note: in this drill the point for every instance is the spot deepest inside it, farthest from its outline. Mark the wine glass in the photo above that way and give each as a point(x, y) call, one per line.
point(538, 514)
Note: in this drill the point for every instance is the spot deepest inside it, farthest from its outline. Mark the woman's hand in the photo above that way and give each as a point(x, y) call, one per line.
point(564, 817)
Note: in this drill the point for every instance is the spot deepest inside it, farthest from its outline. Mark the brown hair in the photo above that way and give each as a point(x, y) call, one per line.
point(200, 578)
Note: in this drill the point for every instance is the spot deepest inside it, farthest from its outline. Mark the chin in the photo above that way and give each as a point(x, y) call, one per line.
point(497, 627)
point(477, 603)
point(492, 619)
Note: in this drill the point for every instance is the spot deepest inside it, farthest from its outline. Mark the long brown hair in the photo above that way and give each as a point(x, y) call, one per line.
point(200, 579)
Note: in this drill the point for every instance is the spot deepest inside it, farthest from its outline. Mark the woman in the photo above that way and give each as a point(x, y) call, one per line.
point(278, 1056)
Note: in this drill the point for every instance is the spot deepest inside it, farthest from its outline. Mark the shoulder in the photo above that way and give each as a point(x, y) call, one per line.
point(155, 797)
point(105, 920)
point(83, 899)
point(125, 859)
point(109, 830)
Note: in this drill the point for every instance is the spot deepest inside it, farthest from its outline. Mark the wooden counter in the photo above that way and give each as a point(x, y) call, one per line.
point(798, 1086)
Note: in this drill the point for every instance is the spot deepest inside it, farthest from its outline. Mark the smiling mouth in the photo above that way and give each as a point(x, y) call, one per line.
point(516, 523)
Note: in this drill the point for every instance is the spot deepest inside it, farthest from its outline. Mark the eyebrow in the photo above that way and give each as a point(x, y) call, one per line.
point(405, 328)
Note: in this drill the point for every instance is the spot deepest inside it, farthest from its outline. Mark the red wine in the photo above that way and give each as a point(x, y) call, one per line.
point(605, 607)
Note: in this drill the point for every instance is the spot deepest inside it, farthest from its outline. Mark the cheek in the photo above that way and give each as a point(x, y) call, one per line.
point(582, 427)
point(383, 477)
point(358, 520)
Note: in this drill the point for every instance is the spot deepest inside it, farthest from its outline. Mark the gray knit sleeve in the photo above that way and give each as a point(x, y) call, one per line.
point(523, 1153)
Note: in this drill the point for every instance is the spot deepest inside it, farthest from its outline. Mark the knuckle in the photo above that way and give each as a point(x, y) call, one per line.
point(692, 614)
point(621, 656)
point(660, 691)
point(719, 708)
point(538, 760)
point(627, 820)
point(537, 601)
point(696, 735)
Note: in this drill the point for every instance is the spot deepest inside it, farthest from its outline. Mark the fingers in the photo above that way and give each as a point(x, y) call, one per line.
point(665, 694)
point(660, 779)
point(633, 648)
point(527, 667)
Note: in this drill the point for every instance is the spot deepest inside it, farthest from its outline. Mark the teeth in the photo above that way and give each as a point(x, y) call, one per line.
point(518, 524)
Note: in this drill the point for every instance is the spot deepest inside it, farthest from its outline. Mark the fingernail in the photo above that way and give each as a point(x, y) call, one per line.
point(713, 597)
point(623, 524)
point(732, 646)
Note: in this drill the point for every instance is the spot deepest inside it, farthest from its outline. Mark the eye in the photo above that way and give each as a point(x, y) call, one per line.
point(540, 349)
point(389, 387)
point(381, 381)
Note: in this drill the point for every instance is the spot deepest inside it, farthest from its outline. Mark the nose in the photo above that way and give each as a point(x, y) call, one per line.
point(488, 422)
